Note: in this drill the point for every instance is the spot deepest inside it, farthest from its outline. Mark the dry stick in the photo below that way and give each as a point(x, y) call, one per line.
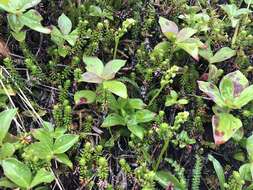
point(25, 99)
point(59, 184)
point(17, 123)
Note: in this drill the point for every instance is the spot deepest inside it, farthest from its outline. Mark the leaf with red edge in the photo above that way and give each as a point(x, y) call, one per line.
point(212, 91)
point(224, 127)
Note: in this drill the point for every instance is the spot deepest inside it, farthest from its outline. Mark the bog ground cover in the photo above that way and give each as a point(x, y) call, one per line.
point(126, 94)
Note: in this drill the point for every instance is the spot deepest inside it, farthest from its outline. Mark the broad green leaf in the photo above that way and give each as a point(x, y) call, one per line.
point(249, 147)
point(17, 172)
point(64, 143)
point(6, 118)
point(113, 120)
point(84, 97)
point(222, 55)
point(64, 159)
point(136, 103)
point(191, 47)
point(185, 34)
point(245, 171)
point(48, 126)
point(112, 102)
point(72, 37)
point(248, 1)
point(238, 82)
point(15, 22)
point(32, 19)
point(212, 91)
point(19, 36)
point(43, 135)
point(29, 3)
point(169, 28)
point(206, 53)
point(94, 65)
point(164, 178)
point(162, 46)
point(116, 87)
point(137, 130)
point(243, 11)
point(219, 171)
point(5, 182)
point(91, 78)
point(41, 150)
point(64, 24)
point(6, 150)
point(4, 4)
point(95, 11)
point(224, 127)
point(227, 91)
point(245, 97)
point(143, 116)
point(42, 176)
point(57, 37)
point(112, 67)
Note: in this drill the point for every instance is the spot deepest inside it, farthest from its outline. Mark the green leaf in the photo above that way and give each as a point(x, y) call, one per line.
point(72, 37)
point(95, 11)
point(206, 53)
point(64, 159)
point(41, 150)
point(249, 147)
point(137, 130)
point(64, 143)
point(84, 97)
point(231, 87)
point(5, 119)
point(212, 91)
point(6, 151)
point(245, 97)
point(112, 67)
point(5, 6)
point(91, 78)
point(15, 22)
point(43, 135)
point(222, 55)
point(219, 171)
point(116, 87)
point(64, 24)
point(224, 127)
point(136, 103)
point(57, 37)
point(113, 120)
point(169, 28)
point(5, 182)
point(248, 2)
point(42, 176)
point(143, 116)
point(185, 34)
point(164, 178)
point(29, 3)
point(19, 36)
point(191, 47)
point(17, 172)
point(94, 65)
point(32, 19)
point(245, 171)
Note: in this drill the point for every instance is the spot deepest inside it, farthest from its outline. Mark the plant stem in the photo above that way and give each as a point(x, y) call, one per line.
point(116, 47)
point(165, 147)
point(235, 34)
point(156, 95)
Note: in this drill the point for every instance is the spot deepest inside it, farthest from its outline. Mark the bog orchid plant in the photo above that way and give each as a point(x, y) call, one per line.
point(19, 16)
point(234, 92)
point(181, 39)
point(99, 73)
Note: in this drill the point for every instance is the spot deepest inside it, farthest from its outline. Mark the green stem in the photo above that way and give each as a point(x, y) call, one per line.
point(116, 47)
point(156, 95)
point(165, 147)
point(235, 34)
